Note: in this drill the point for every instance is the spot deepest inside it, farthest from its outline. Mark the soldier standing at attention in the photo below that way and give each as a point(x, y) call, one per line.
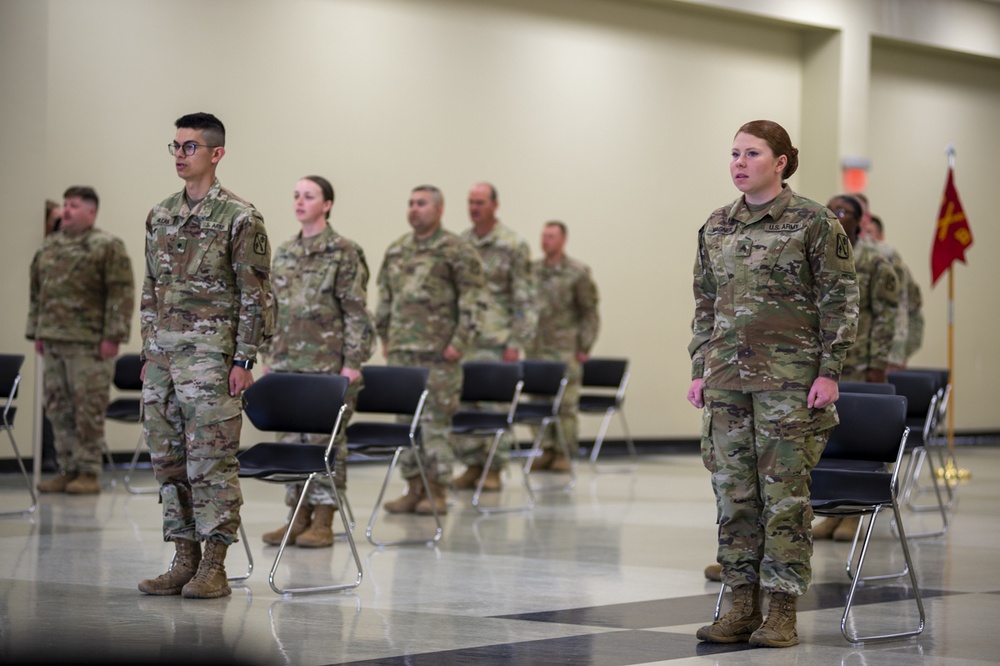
point(508, 322)
point(776, 308)
point(82, 296)
point(206, 309)
point(568, 322)
point(430, 299)
point(322, 326)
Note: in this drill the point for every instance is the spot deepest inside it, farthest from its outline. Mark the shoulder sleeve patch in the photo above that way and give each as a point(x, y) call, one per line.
point(260, 243)
point(843, 246)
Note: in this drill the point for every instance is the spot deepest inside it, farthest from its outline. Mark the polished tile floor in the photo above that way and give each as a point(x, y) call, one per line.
point(607, 574)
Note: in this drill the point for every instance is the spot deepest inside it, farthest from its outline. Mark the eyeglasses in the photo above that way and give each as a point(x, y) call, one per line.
point(189, 147)
point(840, 212)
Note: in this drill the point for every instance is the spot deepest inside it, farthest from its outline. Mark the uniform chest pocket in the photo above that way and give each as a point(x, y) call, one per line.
point(721, 253)
point(781, 260)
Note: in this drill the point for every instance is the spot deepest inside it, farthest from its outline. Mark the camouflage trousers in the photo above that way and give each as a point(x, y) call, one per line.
point(77, 384)
point(474, 450)
point(192, 428)
point(444, 389)
point(569, 407)
point(321, 490)
point(760, 448)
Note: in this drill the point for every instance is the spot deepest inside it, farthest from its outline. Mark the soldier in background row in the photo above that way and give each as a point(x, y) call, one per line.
point(508, 322)
point(207, 307)
point(82, 297)
point(322, 325)
point(568, 322)
point(914, 299)
point(430, 300)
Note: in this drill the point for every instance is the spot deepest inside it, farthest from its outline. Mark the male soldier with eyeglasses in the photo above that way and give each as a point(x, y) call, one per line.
point(206, 308)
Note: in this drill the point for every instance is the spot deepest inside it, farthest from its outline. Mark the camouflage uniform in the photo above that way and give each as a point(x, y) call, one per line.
point(900, 341)
point(915, 316)
point(510, 317)
point(322, 325)
point(206, 301)
point(81, 293)
point(568, 322)
point(430, 296)
point(877, 310)
point(776, 305)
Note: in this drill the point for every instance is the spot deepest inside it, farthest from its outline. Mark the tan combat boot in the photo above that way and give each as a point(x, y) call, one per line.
point(85, 483)
point(714, 572)
point(846, 530)
point(299, 524)
point(56, 484)
point(826, 528)
point(439, 496)
point(779, 628)
point(560, 463)
point(469, 478)
point(492, 484)
point(320, 532)
point(184, 568)
point(740, 622)
point(210, 581)
point(543, 461)
point(407, 502)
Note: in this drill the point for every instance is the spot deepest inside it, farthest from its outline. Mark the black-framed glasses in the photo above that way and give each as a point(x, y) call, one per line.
point(189, 147)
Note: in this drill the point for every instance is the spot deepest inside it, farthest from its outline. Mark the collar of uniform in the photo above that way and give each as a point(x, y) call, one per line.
point(431, 240)
point(488, 239)
point(740, 213)
point(203, 208)
point(318, 243)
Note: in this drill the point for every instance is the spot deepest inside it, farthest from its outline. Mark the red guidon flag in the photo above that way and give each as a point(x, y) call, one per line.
point(953, 234)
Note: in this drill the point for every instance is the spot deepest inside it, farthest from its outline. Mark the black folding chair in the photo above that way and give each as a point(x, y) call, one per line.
point(603, 393)
point(291, 402)
point(10, 378)
point(496, 382)
point(872, 427)
point(399, 391)
point(127, 408)
point(541, 398)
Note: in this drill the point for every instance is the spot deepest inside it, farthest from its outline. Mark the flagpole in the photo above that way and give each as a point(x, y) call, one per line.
point(950, 472)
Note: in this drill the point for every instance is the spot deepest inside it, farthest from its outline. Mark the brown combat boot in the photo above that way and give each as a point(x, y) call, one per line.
point(846, 530)
point(740, 622)
point(560, 463)
point(469, 478)
point(492, 484)
point(320, 532)
point(407, 502)
point(184, 568)
point(826, 528)
point(299, 524)
point(714, 572)
point(57, 484)
point(543, 461)
point(779, 628)
point(439, 496)
point(210, 581)
point(85, 483)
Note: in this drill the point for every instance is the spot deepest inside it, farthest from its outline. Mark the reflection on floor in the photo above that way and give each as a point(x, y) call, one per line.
point(609, 573)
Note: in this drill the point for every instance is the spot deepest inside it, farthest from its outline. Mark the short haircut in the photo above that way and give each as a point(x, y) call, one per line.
point(561, 225)
point(493, 190)
point(433, 191)
point(877, 221)
point(211, 127)
point(82, 192)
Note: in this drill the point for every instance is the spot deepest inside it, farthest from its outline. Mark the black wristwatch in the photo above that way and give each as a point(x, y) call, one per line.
point(246, 363)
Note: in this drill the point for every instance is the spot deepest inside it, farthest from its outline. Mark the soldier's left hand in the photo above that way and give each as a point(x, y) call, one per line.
point(240, 379)
point(824, 392)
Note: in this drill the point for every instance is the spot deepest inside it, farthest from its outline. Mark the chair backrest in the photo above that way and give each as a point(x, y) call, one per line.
point(543, 377)
point(920, 389)
point(943, 375)
point(866, 387)
point(604, 372)
point(10, 374)
point(871, 428)
point(490, 381)
point(128, 373)
point(293, 402)
point(391, 389)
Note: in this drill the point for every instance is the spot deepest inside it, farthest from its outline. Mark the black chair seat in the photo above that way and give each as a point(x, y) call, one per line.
point(597, 403)
point(534, 411)
point(369, 435)
point(473, 420)
point(275, 458)
point(841, 488)
point(124, 409)
point(11, 411)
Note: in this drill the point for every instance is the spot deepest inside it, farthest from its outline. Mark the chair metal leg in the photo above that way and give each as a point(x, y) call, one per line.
point(552, 421)
point(27, 479)
point(482, 480)
point(599, 442)
point(246, 547)
point(284, 543)
point(914, 468)
point(853, 571)
point(369, 531)
point(137, 490)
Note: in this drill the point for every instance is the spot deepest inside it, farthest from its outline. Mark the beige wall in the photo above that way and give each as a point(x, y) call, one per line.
point(615, 117)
